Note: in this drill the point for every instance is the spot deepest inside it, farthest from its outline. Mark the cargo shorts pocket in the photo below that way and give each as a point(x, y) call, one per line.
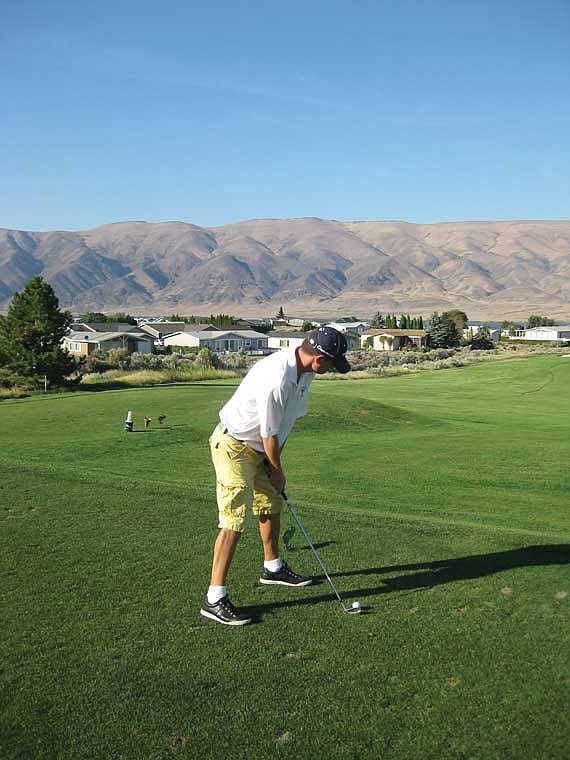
point(234, 506)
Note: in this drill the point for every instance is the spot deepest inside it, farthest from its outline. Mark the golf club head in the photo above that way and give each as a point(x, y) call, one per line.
point(356, 609)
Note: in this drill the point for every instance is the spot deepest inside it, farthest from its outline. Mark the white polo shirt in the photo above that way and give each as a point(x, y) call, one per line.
point(268, 400)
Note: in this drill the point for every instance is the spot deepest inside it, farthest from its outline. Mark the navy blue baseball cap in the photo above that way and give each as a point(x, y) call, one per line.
point(330, 342)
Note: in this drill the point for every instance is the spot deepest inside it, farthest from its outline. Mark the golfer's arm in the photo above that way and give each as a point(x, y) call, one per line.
point(272, 452)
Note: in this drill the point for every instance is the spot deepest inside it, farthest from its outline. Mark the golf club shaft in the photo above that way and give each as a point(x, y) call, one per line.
point(312, 548)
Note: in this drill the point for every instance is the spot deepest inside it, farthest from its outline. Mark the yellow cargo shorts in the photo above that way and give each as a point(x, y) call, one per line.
point(243, 488)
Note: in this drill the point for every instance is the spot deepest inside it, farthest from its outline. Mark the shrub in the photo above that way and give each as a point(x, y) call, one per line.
point(184, 349)
point(96, 362)
point(206, 358)
point(146, 361)
point(118, 358)
point(6, 393)
point(237, 361)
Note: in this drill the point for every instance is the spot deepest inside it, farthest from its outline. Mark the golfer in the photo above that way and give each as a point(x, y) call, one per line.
point(246, 451)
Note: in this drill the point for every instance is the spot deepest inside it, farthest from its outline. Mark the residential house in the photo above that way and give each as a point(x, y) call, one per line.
point(300, 321)
point(553, 333)
point(473, 328)
point(220, 341)
point(352, 340)
point(105, 327)
point(83, 343)
point(355, 327)
point(393, 339)
point(159, 330)
point(283, 339)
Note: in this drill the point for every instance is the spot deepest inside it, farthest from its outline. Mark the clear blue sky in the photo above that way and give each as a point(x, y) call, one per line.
point(213, 112)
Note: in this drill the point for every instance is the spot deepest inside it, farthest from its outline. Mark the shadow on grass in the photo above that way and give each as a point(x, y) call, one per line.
point(151, 430)
point(467, 568)
point(422, 575)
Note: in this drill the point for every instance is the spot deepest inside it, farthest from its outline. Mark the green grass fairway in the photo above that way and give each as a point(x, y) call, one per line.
point(440, 501)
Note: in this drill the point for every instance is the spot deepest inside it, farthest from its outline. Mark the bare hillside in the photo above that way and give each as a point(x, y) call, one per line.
point(489, 269)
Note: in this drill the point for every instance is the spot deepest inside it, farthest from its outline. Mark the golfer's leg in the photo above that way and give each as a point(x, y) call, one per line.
point(224, 549)
point(269, 527)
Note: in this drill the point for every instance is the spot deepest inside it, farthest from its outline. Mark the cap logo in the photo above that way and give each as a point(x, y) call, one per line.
point(318, 346)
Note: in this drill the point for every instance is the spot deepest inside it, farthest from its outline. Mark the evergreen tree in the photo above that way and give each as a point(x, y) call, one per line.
point(221, 320)
point(482, 340)
point(280, 314)
point(31, 334)
point(442, 332)
point(404, 322)
point(378, 320)
point(420, 322)
point(437, 332)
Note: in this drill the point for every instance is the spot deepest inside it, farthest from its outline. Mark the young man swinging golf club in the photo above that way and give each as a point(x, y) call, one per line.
point(246, 451)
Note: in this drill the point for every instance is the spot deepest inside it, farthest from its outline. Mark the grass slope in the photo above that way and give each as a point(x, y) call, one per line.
point(438, 500)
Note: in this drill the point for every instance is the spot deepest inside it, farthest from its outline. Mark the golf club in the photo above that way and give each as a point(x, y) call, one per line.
point(356, 608)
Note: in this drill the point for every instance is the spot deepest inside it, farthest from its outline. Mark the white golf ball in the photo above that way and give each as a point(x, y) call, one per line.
point(356, 605)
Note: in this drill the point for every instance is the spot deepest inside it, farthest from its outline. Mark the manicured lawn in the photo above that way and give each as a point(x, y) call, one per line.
point(439, 500)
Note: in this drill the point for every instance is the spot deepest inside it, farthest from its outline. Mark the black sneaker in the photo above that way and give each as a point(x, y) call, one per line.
point(224, 612)
point(284, 577)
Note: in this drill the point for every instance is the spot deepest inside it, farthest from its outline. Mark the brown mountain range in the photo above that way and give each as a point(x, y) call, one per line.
point(491, 270)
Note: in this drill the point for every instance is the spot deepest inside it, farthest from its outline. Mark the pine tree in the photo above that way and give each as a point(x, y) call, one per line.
point(443, 332)
point(378, 320)
point(280, 314)
point(438, 331)
point(31, 334)
point(403, 322)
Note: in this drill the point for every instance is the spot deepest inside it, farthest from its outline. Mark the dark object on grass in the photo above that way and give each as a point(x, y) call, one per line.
point(147, 421)
point(161, 418)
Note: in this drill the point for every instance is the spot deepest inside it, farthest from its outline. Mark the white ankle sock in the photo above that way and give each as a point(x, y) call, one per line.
point(273, 565)
point(215, 593)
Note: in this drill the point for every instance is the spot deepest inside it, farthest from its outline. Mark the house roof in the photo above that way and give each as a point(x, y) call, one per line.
point(105, 327)
point(206, 335)
point(395, 332)
point(288, 334)
point(546, 328)
point(217, 334)
point(347, 325)
point(164, 328)
point(101, 337)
